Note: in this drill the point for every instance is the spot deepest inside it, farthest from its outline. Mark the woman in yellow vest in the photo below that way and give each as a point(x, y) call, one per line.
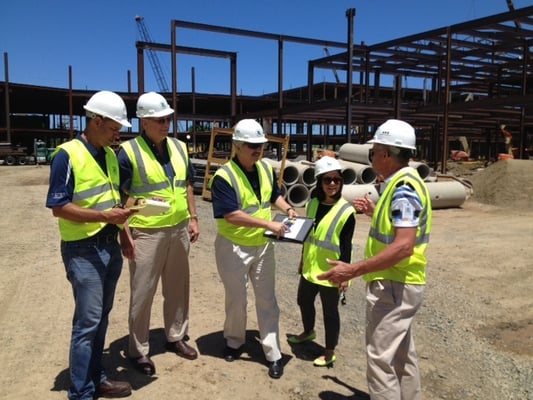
point(331, 238)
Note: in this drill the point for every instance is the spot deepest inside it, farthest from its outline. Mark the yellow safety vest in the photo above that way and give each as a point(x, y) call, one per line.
point(149, 180)
point(411, 270)
point(324, 240)
point(248, 202)
point(92, 188)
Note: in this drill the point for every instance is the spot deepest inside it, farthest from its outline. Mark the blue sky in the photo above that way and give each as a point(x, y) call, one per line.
point(97, 38)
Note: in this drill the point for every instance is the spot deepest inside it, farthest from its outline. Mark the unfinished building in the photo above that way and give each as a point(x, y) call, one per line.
point(466, 81)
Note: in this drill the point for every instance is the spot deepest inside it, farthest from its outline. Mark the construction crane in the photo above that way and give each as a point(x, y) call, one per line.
point(152, 56)
point(510, 6)
point(334, 70)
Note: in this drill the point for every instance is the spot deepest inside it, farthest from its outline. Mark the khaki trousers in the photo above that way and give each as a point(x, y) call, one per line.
point(392, 363)
point(238, 265)
point(159, 253)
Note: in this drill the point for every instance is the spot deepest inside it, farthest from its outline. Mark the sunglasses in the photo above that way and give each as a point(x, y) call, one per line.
point(371, 153)
point(254, 146)
point(328, 180)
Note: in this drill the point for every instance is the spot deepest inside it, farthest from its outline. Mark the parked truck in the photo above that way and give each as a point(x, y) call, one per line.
point(11, 154)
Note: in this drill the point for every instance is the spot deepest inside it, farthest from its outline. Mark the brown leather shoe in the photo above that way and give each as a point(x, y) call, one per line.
point(112, 389)
point(182, 349)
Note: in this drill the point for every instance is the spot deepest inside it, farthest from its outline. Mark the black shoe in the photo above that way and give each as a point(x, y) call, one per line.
point(275, 369)
point(143, 364)
point(231, 354)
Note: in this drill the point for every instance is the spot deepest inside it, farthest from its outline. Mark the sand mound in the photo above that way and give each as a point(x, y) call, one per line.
point(506, 183)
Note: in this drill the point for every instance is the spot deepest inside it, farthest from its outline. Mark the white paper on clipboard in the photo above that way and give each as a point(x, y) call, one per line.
point(149, 207)
point(299, 228)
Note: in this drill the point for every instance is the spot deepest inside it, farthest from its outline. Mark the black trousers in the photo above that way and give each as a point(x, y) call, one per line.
point(329, 296)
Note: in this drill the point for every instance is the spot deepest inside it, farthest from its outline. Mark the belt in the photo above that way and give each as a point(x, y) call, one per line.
point(98, 239)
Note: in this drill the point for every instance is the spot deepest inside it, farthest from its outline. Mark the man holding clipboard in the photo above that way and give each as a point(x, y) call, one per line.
point(243, 191)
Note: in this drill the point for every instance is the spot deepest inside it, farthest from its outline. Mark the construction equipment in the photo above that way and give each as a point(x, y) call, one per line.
point(508, 138)
point(461, 155)
point(334, 70)
point(42, 153)
point(11, 154)
point(510, 6)
point(214, 162)
point(152, 55)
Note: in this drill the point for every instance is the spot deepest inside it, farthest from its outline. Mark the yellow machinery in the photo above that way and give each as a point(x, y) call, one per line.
point(214, 161)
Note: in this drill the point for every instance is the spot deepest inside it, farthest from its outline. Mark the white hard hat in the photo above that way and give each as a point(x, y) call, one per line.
point(249, 130)
point(394, 132)
point(110, 105)
point(153, 105)
point(326, 164)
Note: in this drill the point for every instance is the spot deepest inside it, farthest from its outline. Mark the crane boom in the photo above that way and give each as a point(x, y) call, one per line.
point(152, 55)
point(510, 6)
point(334, 70)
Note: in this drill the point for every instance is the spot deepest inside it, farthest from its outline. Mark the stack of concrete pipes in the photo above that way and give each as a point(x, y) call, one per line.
point(359, 179)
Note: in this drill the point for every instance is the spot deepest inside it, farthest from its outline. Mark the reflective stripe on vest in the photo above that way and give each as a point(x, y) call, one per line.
point(149, 180)
point(92, 188)
point(410, 270)
point(235, 185)
point(324, 241)
point(247, 202)
point(327, 241)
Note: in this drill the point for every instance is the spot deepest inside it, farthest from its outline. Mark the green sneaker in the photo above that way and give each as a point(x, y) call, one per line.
point(297, 339)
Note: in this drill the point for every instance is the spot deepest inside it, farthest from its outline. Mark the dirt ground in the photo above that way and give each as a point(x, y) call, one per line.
point(474, 333)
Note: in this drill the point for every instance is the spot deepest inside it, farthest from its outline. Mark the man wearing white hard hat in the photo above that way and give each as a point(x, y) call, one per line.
point(157, 167)
point(243, 191)
point(394, 266)
point(83, 194)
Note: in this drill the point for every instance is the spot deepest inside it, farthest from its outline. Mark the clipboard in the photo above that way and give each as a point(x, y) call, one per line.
point(149, 207)
point(299, 228)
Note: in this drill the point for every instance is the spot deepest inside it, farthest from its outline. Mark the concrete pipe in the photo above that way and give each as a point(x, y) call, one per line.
point(298, 195)
point(306, 171)
point(446, 194)
point(352, 192)
point(291, 174)
point(275, 164)
point(363, 173)
point(349, 174)
point(423, 169)
point(353, 152)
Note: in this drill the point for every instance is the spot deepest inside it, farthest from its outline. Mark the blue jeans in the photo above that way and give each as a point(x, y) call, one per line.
point(93, 272)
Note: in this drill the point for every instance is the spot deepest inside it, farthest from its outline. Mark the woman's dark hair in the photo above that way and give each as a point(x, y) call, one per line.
point(319, 191)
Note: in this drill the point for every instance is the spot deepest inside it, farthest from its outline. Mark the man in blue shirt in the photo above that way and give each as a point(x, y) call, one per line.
point(84, 195)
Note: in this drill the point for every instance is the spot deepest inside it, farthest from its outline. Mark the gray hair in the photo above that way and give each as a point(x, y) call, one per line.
point(400, 154)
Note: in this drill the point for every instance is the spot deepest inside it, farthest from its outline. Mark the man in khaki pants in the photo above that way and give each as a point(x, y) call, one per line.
point(394, 264)
point(157, 167)
point(243, 192)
